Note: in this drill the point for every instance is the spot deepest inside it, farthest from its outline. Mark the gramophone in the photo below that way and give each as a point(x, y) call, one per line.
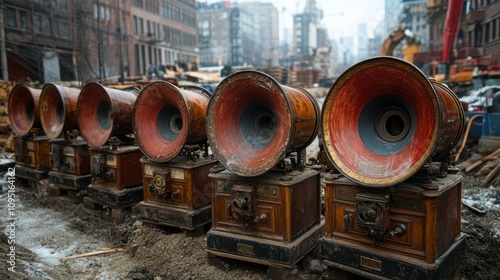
point(393, 211)
point(105, 120)
point(69, 173)
point(31, 145)
point(265, 201)
point(169, 126)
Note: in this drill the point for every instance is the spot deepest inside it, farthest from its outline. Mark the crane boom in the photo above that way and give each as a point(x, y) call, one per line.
point(451, 28)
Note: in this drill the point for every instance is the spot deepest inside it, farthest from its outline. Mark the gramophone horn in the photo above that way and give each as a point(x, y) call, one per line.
point(104, 112)
point(253, 122)
point(382, 120)
point(23, 108)
point(58, 111)
point(167, 117)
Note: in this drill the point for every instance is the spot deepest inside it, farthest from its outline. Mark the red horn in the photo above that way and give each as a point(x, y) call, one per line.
point(167, 117)
point(382, 120)
point(58, 111)
point(253, 122)
point(104, 112)
point(23, 109)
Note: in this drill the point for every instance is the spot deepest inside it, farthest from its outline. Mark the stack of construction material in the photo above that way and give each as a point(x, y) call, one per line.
point(274, 71)
point(305, 77)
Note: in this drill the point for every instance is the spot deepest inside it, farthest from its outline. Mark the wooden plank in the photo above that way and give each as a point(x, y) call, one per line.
point(491, 156)
point(92, 254)
point(493, 174)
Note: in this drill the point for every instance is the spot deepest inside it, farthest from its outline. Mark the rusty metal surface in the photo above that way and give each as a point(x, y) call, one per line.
point(453, 121)
point(23, 108)
point(253, 122)
point(104, 112)
point(382, 120)
point(58, 109)
point(167, 117)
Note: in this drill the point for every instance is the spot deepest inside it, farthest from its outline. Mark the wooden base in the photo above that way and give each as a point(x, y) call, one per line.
point(33, 152)
point(69, 181)
point(30, 173)
point(261, 250)
point(118, 168)
point(70, 157)
point(165, 215)
point(105, 210)
point(114, 197)
point(275, 205)
point(61, 192)
point(376, 263)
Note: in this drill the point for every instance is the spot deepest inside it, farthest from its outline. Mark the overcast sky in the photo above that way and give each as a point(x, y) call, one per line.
point(341, 17)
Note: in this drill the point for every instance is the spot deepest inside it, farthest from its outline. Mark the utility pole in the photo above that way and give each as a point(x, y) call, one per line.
point(3, 50)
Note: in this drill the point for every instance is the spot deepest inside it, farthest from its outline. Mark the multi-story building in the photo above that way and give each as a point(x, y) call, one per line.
point(214, 34)
point(482, 28)
point(305, 29)
point(39, 40)
point(267, 22)
point(229, 35)
point(163, 32)
point(58, 40)
point(414, 18)
point(104, 40)
point(245, 46)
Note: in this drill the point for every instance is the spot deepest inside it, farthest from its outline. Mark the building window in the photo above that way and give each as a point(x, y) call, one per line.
point(135, 24)
point(23, 20)
point(37, 21)
point(65, 30)
point(141, 26)
point(137, 3)
point(494, 30)
point(487, 32)
point(63, 5)
point(11, 17)
point(47, 26)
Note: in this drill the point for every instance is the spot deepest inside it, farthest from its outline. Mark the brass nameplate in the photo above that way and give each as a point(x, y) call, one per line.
point(68, 151)
point(371, 263)
point(110, 160)
point(346, 193)
point(267, 191)
point(408, 203)
point(177, 173)
point(150, 169)
point(245, 249)
point(220, 186)
point(30, 145)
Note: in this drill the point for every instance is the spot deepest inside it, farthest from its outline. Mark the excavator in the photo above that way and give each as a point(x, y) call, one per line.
point(412, 46)
point(457, 75)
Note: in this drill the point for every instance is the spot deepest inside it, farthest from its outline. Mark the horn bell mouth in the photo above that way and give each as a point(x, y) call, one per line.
point(23, 109)
point(161, 121)
point(249, 123)
point(380, 121)
point(53, 110)
point(95, 115)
